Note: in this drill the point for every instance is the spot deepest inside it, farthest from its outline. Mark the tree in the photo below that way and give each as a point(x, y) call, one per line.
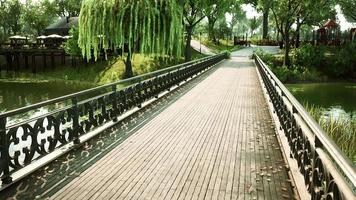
point(348, 9)
point(214, 11)
point(264, 7)
point(66, 8)
point(237, 14)
point(147, 26)
point(285, 13)
point(38, 15)
point(193, 14)
point(222, 29)
point(13, 10)
point(254, 24)
point(3, 30)
point(71, 45)
point(313, 12)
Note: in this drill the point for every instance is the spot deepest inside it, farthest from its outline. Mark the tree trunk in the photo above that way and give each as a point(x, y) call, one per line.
point(232, 35)
point(211, 24)
point(297, 32)
point(277, 36)
point(265, 24)
point(188, 51)
point(128, 66)
point(286, 49)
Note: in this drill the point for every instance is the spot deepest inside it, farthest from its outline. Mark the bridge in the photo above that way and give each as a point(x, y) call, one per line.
point(214, 128)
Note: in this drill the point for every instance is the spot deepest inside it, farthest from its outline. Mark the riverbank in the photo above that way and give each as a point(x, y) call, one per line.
point(223, 45)
point(95, 74)
point(315, 64)
point(340, 129)
point(333, 106)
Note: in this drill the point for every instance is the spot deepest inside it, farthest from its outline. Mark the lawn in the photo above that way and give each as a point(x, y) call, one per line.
point(223, 45)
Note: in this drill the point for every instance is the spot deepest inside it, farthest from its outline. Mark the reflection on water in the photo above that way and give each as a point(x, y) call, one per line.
point(339, 99)
point(19, 94)
point(15, 95)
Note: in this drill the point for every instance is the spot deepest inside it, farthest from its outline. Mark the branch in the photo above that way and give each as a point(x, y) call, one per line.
point(198, 21)
point(279, 25)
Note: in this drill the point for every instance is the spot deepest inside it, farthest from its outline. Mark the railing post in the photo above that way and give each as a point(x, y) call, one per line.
point(5, 157)
point(114, 103)
point(75, 120)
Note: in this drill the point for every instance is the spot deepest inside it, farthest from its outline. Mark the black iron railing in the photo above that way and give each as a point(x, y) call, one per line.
point(25, 140)
point(327, 172)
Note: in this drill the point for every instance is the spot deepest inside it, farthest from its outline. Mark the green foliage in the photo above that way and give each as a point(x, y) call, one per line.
point(71, 46)
point(221, 30)
point(342, 64)
point(237, 14)
point(348, 9)
point(214, 12)
point(152, 27)
point(37, 16)
point(297, 74)
point(309, 56)
point(11, 13)
point(65, 8)
point(254, 24)
point(223, 45)
point(227, 53)
point(315, 63)
point(290, 74)
point(28, 17)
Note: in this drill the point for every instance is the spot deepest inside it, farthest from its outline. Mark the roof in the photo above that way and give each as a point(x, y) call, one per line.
point(331, 24)
point(18, 37)
point(54, 36)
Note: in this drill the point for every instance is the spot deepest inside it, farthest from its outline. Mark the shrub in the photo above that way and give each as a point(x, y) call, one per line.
point(71, 46)
point(227, 52)
point(309, 56)
point(269, 59)
point(343, 63)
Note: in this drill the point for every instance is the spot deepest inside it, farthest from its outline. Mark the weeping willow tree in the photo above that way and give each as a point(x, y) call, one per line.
point(145, 26)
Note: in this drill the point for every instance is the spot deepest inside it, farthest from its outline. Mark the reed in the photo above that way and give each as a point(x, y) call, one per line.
point(341, 129)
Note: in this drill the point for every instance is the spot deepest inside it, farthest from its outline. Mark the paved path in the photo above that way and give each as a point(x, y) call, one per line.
point(247, 51)
point(215, 142)
point(204, 49)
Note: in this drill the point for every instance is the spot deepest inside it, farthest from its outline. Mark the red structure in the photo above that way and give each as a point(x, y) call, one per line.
point(329, 34)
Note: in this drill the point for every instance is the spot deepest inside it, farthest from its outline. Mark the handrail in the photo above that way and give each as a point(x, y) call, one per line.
point(322, 140)
point(98, 88)
point(66, 125)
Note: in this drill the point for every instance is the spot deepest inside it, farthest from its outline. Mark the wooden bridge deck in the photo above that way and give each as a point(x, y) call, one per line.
point(215, 142)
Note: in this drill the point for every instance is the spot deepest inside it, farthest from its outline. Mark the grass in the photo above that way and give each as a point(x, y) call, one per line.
point(222, 46)
point(342, 130)
point(102, 72)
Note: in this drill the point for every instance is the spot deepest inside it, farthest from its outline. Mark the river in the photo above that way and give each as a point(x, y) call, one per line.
point(338, 99)
point(19, 94)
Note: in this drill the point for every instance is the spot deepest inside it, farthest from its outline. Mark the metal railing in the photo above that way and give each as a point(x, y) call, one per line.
point(328, 173)
point(26, 140)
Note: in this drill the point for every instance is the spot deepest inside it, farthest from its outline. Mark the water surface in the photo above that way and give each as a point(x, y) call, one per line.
point(339, 99)
point(19, 94)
